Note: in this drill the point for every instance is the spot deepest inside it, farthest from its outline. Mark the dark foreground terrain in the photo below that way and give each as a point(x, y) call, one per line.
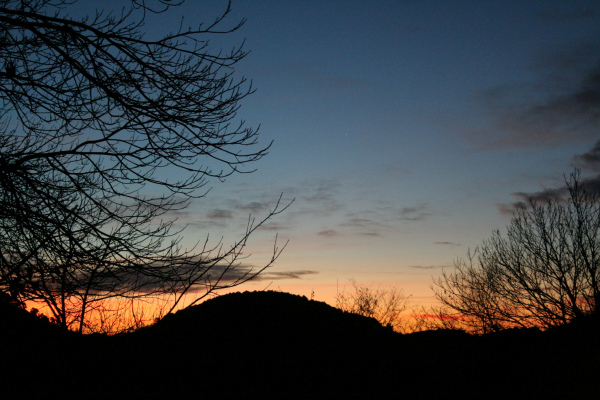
point(278, 345)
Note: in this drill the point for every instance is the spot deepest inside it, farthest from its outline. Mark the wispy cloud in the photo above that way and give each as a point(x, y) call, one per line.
point(561, 106)
point(219, 213)
point(280, 275)
point(378, 221)
point(523, 199)
point(275, 226)
point(370, 234)
point(354, 221)
point(216, 217)
point(223, 273)
point(447, 243)
point(227, 275)
point(312, 198)
point(415, 213)
point(589, 160)
point(558, 194)
point(320, 195)
point(253, 207)
point(329, 233)
point(365, 223)
point(427, 267)
point(507, 209)
point(387, 216)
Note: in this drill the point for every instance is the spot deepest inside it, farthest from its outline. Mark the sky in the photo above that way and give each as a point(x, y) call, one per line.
point(405, 131)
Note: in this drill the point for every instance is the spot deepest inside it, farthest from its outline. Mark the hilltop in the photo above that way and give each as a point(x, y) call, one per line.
point(276, 340)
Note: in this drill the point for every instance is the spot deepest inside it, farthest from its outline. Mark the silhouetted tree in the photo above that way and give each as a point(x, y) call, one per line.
point(433, 318)
point(386, 305)
point(103, 133)
point(544, 272)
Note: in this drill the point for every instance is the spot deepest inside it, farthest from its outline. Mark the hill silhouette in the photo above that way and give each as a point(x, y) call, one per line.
point(36, 354)
point(279, 345)
point(279, 340)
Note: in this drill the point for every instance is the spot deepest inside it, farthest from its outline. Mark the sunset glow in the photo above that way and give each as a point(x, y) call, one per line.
point(404, 132)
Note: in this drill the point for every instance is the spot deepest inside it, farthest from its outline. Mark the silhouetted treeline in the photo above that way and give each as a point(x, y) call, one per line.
point(278, 345)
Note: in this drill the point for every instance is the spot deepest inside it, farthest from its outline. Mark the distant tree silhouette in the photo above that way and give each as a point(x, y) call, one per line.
point(103, 133)
point(386, 305)
point(433, 318)
point(544, 272)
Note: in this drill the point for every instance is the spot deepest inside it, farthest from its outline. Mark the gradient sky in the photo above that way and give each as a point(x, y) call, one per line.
point(405, 130)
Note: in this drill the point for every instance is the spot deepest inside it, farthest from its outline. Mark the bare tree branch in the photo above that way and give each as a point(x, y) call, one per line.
point(544, 272)
point(103, 133)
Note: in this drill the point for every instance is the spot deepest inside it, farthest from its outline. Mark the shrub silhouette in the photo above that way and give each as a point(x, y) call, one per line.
point(386, 305)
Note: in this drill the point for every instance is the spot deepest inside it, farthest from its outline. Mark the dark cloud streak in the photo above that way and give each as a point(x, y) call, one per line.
point(427, 267)
point(447, 243)
point(329, 233)
point(219, 214)
point(280, 275)
point(414, 213)
point(231, 274)
point(559, 194)
point(561, 106)
point(589, 160)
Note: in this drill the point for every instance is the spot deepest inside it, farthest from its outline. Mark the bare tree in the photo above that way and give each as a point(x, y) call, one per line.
point(544, 272)
point(103, 135)
point(386, 305)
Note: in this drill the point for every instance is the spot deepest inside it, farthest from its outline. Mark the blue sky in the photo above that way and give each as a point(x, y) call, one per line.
point(403, 129)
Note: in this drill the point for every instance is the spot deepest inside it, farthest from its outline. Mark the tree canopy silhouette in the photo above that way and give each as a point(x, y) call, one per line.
point(104, 134)
point(545, 272)
point(386, 305)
